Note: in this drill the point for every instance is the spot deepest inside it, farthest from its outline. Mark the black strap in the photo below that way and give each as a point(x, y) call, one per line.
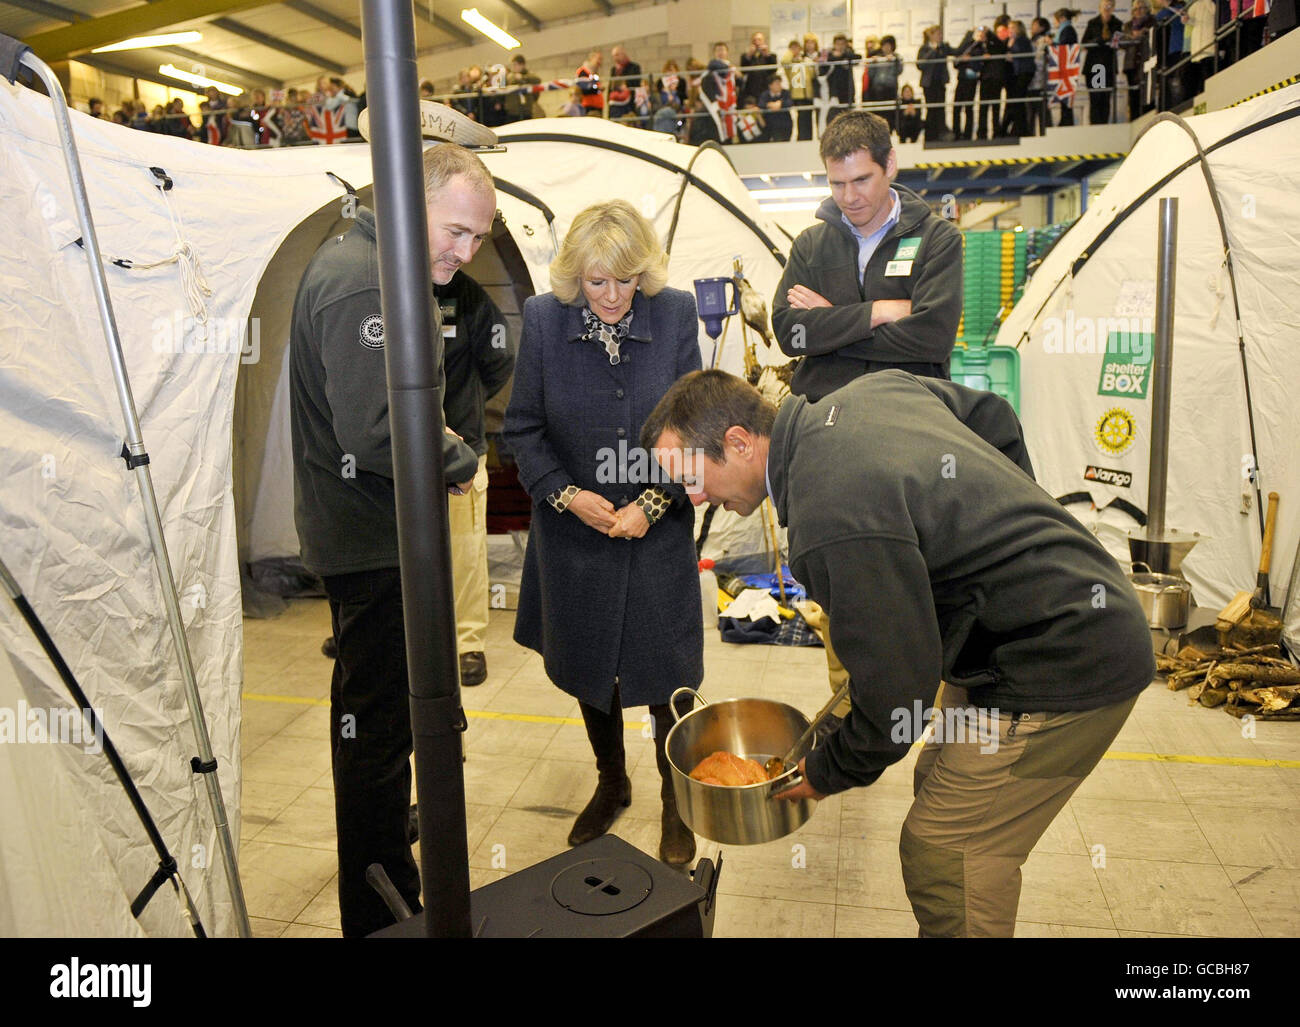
point(11, 55)
point(164, 180)
point(1075, 497)
point(1120, 503)
point(165, 872)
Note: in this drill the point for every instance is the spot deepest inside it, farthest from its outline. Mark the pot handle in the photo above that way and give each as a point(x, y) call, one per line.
point(794, 782)
point(672, 701)
point(1139, 563)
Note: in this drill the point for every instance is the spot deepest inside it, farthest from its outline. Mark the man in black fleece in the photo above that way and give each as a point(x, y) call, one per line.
point(914, 520)
point(345, 510)
point(877, 282)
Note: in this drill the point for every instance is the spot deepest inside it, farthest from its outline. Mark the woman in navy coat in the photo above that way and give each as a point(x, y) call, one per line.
point(610, 589)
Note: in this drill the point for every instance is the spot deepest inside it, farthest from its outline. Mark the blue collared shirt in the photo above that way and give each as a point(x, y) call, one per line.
point(867, 243)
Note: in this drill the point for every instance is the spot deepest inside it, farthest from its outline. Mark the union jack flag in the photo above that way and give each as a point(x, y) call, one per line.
point(1063, 68)
point(326, 126)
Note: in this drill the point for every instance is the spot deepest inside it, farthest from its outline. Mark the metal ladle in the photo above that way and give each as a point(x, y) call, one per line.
point(778, 765)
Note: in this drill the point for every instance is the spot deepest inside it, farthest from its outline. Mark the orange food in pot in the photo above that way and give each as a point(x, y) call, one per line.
point(726, 768)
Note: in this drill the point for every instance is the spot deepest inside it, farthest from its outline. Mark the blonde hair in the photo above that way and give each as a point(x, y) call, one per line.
point(614, 238)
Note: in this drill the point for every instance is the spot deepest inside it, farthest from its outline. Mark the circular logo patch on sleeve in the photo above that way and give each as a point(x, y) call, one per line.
point(372, 332)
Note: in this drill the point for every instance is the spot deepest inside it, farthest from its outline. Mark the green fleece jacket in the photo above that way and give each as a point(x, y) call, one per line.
point(919, 259)
point(915, 521)
point(344, 504)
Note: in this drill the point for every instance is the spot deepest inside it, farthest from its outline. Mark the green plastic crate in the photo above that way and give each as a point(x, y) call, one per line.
point(994, 369)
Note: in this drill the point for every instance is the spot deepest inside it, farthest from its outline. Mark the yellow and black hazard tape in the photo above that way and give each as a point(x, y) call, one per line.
point(1058, 158)
point(1271, 89)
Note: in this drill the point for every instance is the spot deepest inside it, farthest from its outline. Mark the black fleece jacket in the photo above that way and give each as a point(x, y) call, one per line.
point(344, 504)
point(837, 343)
point(915, 521)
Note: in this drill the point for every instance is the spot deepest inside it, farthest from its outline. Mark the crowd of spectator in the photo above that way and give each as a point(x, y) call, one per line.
point(249, 120)
point(1002, 77)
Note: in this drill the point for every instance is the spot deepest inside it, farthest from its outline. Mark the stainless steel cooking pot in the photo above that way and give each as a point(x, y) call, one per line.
point(757, 729)
point(1165, 598)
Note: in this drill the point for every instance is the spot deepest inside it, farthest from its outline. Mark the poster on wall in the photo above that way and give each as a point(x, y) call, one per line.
point(894, 23)
point(826, 18)
point(866, 23)
point(983, 15)
point(788, 21)
point(957, 21)
point(923, 16)
point(1026, 11)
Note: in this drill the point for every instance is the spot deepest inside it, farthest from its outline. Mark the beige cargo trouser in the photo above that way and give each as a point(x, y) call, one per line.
point(467, 525)
point(981, 807)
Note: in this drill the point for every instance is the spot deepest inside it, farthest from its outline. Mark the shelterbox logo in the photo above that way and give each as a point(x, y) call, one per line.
point(1126, 367)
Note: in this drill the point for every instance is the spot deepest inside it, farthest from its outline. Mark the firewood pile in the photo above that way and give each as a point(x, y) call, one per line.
point(1256, 681)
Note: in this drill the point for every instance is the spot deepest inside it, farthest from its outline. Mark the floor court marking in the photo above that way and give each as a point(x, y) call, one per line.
point(638, 725)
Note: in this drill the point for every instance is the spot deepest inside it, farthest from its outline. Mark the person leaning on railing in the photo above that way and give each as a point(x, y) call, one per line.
point(932, 61)
point(1135, 45)
point(1101, 36)
point(1020, 54)
point(801, 77)
point(1036, 119)
point(885, 67)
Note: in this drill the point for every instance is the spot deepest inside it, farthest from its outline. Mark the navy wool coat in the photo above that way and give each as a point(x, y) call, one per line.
point(600, 608)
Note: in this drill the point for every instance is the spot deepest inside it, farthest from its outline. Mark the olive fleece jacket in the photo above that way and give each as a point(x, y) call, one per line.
point(915, 521)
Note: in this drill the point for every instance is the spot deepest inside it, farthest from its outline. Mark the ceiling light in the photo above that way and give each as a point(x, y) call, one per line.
point(140, 42)
point(794, 205)
point(495, 33)
point(802, 193)
point(171, 71)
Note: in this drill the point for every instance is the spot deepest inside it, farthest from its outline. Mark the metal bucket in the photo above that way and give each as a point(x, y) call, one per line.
point(1165, 598)
point(756, 729)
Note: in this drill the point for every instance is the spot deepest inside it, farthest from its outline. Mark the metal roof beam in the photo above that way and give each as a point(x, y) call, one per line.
point(211, 63)
point(141, 20)
point(444, 25)
point(524, 13)
point(322, 16)
point(47, 9)
point(605, 6)
point(271, 43)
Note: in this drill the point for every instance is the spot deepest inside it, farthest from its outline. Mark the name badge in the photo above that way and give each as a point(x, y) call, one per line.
point(908, 248)
point(898, 269)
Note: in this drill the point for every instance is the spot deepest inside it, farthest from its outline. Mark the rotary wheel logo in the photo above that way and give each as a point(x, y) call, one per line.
point(372, 332)
point(1116, 431)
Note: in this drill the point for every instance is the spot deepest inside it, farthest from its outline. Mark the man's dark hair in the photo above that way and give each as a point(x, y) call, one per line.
point(701, 406)
point(890, 40)
point(857, 130)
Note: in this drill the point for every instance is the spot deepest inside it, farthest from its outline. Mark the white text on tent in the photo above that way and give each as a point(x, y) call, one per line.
point(1092, 334)
point(227, 335)
point(66, 724)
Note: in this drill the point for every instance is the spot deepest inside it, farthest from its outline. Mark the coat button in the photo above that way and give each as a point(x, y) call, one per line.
point(618, 394)
point(622, 433)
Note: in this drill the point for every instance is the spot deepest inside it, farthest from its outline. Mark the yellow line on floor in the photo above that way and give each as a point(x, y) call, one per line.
point(1217, 761)
point(637, 725)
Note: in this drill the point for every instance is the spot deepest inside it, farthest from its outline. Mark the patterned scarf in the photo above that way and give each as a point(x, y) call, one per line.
point(609, 336)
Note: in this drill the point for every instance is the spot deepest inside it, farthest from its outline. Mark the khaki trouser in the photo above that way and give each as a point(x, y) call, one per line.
point(467, 523)
point(978, 813)
point(821, 626)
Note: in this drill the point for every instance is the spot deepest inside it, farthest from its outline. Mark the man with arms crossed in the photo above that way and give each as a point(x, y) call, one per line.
point(914, 520)
point(877, 282)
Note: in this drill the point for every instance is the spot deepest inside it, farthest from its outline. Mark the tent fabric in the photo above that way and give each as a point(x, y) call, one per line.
point(574, 163)
point(228, 239)
point(74, 528)
point(1098, 285)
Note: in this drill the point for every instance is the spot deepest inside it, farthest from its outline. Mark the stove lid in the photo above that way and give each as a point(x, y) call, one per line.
point(599, 887)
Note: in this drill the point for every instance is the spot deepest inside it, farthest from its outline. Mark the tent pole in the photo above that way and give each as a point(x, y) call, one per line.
point(413, 356)
point(1162, 364)
point(137, 458)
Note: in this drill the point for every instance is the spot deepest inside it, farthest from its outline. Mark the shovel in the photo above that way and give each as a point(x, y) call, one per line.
point(1248, 619)
point(778, 765)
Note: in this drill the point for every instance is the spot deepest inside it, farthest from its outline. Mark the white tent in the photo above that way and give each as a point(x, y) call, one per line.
point(551, 169)
point(1082, 328)
point(225, 241)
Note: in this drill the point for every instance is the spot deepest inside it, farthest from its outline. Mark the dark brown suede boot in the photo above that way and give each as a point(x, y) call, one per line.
point(613, 788)
point(676, 843)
